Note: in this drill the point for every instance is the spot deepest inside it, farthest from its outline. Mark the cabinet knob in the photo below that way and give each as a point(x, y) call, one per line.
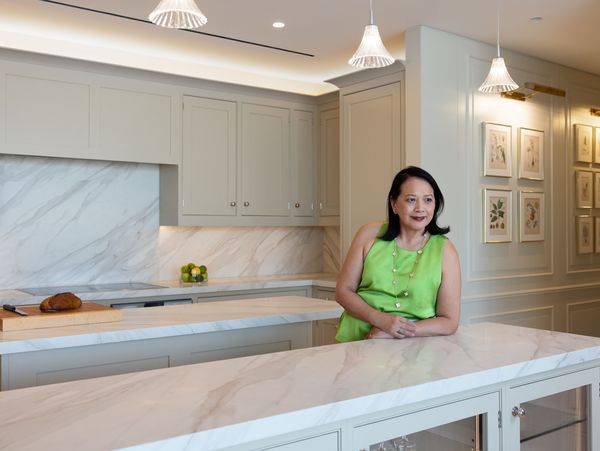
point(232, 204)
point(246, 204)
point(518, 411)
point(297, 205)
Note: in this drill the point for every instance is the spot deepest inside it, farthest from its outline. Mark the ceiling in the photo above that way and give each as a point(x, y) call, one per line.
point(319, 37)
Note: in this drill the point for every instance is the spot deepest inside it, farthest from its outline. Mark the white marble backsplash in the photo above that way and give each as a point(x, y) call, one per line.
point(66, 221)
point(241, 251)
point(72, 222)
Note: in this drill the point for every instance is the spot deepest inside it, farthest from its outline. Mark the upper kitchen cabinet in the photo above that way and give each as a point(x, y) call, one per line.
point(59, 112)
point(303, 164)
point(329, 167)
point(265, 161)
point(209, 157)
point(245, 163)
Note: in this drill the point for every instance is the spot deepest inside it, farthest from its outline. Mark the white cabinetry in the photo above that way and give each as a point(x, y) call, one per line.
point(265, 158)
point(209, 157)
point(79, 114)
point(329, 168)
point(303, 163)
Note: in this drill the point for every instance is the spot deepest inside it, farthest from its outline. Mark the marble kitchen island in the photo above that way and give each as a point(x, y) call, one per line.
point(160, 337)
point(339, 397)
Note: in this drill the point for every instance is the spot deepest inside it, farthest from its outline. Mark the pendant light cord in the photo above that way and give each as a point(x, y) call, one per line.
point(498, 26)
point(371, 6)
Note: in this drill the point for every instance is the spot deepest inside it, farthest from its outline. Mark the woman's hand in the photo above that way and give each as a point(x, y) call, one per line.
point(390, 325)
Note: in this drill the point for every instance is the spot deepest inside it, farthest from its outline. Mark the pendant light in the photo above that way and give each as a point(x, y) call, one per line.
point(371, 52)
point(177, 14)
point(498, 79)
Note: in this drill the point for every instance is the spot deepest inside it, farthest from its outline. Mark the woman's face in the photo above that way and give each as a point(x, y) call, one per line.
point(415, 204)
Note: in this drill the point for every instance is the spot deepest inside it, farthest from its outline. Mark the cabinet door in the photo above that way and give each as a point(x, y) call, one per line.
point(265, 161)
point(329, 171)
point(209, 157)
point(450, 427)
point(555, 414)
point(371, 156)
point(302, 163)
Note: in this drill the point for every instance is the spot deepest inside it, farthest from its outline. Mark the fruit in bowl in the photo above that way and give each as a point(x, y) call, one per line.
point(192, 273)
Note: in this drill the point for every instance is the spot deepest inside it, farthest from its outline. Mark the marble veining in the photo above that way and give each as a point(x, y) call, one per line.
point(227, 403)
point(331, 249)
point(65, 221)
point(175, 320)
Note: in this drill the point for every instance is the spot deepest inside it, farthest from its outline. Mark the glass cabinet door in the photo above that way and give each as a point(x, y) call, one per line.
point(469, 425)
point(555, 414)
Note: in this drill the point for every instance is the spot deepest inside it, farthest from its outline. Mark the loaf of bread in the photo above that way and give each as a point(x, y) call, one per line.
point(60, 302)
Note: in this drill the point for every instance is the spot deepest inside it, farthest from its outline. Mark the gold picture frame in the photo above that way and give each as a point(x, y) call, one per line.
point(497, 149)
point(497, 212)
point(585, 234)
point(584, 189)
point(531, 216)
point(583, 143)
point(531, 154)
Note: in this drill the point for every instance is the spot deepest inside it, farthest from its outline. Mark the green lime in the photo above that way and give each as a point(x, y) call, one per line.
point(184, 268)
point(191, 266)
point(203, 269)
point(185, 277)
point(200, 278)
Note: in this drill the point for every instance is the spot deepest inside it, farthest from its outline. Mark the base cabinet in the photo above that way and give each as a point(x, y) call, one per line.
point(324, 330)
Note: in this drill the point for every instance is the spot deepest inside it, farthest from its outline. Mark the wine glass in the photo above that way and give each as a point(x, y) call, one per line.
point(403, 443)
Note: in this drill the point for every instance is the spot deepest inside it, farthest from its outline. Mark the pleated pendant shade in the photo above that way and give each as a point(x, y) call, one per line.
point(498, 79)
point(371, 52)
point(177, 14)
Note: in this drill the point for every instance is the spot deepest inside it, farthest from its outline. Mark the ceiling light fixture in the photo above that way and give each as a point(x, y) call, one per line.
point(278, 25)
point(371, 52)
point(178, 14)
point(498, 79)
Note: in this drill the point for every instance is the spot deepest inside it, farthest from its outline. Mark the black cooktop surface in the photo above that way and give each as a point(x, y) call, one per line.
point(47, 291)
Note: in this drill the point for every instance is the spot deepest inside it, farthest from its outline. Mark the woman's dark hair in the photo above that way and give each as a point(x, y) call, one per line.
point(433, 228)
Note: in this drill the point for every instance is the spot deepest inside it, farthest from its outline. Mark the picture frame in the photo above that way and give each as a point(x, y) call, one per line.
point(597, 234)
point(585, 234)
point(497, 149)
point(583, 143)
point(531, 216)
point(497, 220)
point(584, 189)
point(596, 189)
point(597, 145)
point(531, 154)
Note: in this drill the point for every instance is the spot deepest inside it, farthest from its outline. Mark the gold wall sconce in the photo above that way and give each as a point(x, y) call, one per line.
point(533, 89)
point(595, 111)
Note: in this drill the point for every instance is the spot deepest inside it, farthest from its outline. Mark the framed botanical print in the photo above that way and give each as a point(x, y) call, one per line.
point(596, 189)
point(583, 189)
point(531, 154)
point(531, 216)
point(497, 210)
point(583, 143)
point(497, 149)
point(597, 145)
point(585, 234)
point(597, 235)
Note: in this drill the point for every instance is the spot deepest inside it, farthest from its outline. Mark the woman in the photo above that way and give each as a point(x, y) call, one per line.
point(401, 279)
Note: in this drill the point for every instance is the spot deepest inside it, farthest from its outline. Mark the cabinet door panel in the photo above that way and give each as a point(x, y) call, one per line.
point(265, 161)
point(303, 162)
point(329, 181)
point(209, 157)
point(135, 126)
point(46, 116)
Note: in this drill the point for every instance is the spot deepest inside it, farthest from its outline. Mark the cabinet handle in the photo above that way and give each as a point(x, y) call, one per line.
point(297, 205)
point(518, 412)
point(246, 204)
point(232, 204)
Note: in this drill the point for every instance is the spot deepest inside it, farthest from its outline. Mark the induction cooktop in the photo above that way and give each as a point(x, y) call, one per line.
point(47, 291)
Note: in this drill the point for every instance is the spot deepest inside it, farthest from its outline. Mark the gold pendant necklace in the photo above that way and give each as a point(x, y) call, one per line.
point(405, 293)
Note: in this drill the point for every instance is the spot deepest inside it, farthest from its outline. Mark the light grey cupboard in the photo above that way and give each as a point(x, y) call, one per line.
point(265, 161)
point(329, 167)
point(54, 112)
point(303, 163)
point(209, 161)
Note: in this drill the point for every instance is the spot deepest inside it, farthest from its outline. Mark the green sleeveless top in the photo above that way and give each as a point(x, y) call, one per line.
point(378, 290)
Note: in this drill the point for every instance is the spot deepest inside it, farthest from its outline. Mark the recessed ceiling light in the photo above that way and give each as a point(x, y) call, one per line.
point(278, 25)
point(536, 18)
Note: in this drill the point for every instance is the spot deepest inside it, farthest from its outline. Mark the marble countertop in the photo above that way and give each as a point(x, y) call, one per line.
point(173, 287)
point(174, 320)
point(226, 403)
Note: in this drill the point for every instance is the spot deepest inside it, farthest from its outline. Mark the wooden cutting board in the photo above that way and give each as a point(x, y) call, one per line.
point(89, 313)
